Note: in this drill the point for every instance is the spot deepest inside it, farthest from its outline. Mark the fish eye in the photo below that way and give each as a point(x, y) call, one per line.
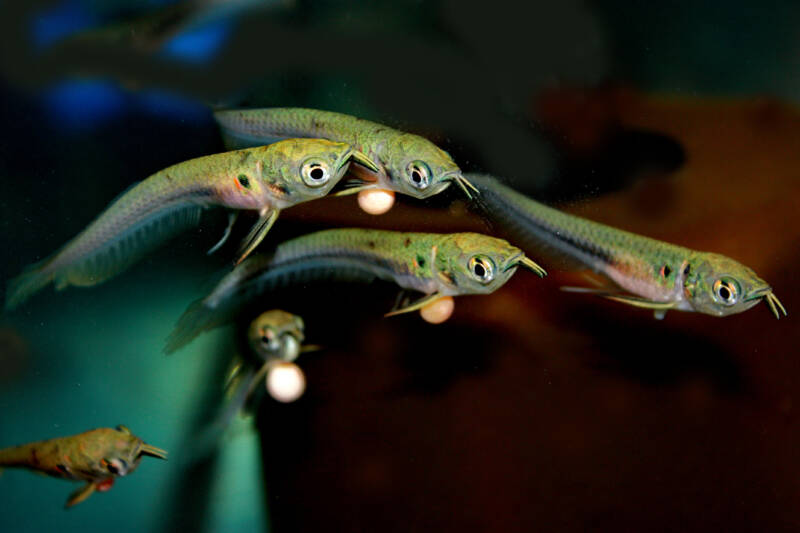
point(419, 173)
point(269, 340)
point(116, 467)
point(315, 173)
point(481, 268)
point(726, 291)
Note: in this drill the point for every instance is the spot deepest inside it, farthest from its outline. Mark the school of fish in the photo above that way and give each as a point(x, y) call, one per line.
point(287, 156)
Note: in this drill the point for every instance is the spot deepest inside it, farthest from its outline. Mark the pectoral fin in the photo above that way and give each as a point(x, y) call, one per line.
point(257, 234)
point(419, 304)
point(79, 495)
point(641, 302)
point(660, 308)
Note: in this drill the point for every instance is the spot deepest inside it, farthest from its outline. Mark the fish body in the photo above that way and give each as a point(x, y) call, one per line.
point(408, 164)
point(434, 264)
point(265, 178)
point(96, 457)
point(655, 274)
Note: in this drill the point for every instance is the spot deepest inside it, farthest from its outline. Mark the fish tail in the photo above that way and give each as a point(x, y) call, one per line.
point(197, 318)
point(15, 456)
point(34, 278)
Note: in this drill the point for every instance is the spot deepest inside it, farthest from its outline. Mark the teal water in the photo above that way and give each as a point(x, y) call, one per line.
point(94, 358)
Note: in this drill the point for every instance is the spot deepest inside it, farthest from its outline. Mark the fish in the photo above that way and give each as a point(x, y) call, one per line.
point(408, 164)
point(265, 179)
point(276, 335)
point(97, 457)
point(433, 264)
point(273, 338)
point(641, 271)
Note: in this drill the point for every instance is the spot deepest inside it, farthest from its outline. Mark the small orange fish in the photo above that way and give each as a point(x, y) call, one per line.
point(97, 457)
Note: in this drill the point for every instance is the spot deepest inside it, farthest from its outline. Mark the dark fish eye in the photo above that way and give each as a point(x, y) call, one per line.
point(315, 173)
point(419, 173)
point(244, 181)
point(116, 466)
point(726, 291)
point(481, 268)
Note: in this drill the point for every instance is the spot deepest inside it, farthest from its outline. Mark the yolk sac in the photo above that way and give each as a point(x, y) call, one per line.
point(438, 311)
point(376, 201)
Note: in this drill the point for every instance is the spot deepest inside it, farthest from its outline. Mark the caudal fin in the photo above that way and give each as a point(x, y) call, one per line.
point(195, 320)
point(33, 279)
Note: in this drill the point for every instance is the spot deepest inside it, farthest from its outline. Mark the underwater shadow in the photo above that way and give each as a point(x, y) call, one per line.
point(441, 356)
point(647, 352)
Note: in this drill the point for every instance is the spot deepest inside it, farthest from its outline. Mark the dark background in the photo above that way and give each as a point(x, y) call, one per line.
point(530, 408)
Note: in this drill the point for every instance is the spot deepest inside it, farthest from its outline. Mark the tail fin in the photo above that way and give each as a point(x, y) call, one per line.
point(33, 279)
point(195, 320)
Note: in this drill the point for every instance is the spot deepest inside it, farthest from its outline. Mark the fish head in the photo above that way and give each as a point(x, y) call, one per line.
point(276, 334)
point(719, 286)
point(417, 167)
point(117, 452)
point(298, 170)
point(471, 263)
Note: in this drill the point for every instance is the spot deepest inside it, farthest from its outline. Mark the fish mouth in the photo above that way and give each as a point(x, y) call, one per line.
point(521, 260)
point(768, 296)
point(462, 182)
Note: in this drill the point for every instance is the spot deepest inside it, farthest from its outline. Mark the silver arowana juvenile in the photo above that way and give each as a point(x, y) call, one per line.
point(97, 457)
point(407, 163)
point(265, 179)
point(431, 263)
point(655, 274)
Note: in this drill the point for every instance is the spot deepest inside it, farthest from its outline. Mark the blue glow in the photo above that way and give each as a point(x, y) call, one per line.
point(83, 103)
point(198, 45)
point(173, 105)
point(59, 21)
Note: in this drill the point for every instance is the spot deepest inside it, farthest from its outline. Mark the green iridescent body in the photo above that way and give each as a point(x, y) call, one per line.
point(658, 275)
point(408, 164)
point(266, 179)
point(97, 457)
point(434, 264)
